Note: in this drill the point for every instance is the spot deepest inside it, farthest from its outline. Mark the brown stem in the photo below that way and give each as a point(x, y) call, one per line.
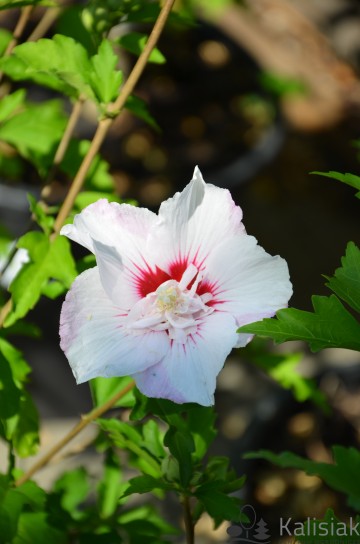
point(189, 525)
point(105, 124)
point(66, 137)
point(50, 15)
point(85, 420)
point(19, 29)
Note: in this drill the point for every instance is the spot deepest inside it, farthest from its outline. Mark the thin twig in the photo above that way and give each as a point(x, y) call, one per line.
point(189, 525)
point(66, 137)
point(85, 420)
point(115, 108)
point(19, 29)
point(50, 15)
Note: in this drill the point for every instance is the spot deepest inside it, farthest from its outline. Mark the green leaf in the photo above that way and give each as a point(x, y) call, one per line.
point(217, 504)
point(11, 103)
point(343, 475)
point(11, 4)
point(111, 486)
point(36, 527)
point(165, 409)
point(138, 107)
point(103, 389)
point(9, 392)
point(48, 260)
point(19, 367)
point(35, 132)
point(5, 38)
point(329, 326)
point(348, 179)
point(135, 43)
point(128, 437)
point(60, 63)
point(145, 484)
point(97, 177)
point(145, 524)
point(45, 221)
point(200, 421)
point(346, 281)
point(64, 65)
point(181, 446)
point(23, 428)
point(105, 80)
point(12, 503)
point(153, 438)
point(74, 487)
point(282, 368)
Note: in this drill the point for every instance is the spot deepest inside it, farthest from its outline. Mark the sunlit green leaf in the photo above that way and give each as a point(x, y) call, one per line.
point(5, 38)
point(105, 80)
point(35, 132)
point(11, 4)
point(10, 103)
point(65, 65)
point(45, 221)
point(23, 428)
point(48, 260)
point(97, 177)
point(103, 389)
point(135, 43)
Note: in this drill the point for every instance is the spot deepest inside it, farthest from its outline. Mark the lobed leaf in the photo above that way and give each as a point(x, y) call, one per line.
point(64, 65)
point(346, 281)
point(104, 79)
point(330, 325)
point(348, 179)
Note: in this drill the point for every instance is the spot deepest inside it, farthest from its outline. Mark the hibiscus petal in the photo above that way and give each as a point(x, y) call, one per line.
point(117, 234)
point(188, 371)
point(93, 338)
point(192, 223)
point(246, 281)
point(108, 223)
